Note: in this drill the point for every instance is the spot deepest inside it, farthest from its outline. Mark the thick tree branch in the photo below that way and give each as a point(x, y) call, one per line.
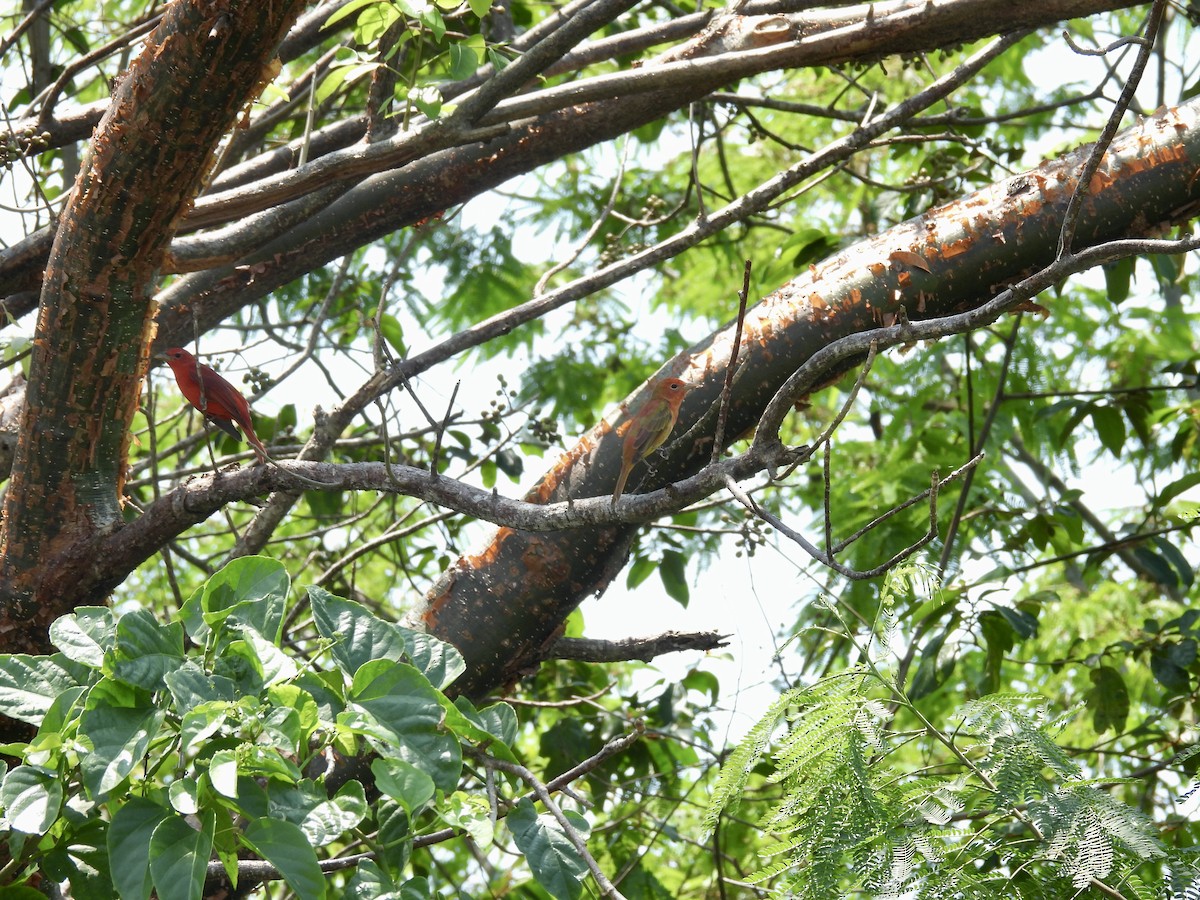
point(644, 649)
point(809, 332)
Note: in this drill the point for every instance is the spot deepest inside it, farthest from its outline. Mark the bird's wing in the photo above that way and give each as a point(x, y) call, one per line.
point(225, 425)
point(224, 400)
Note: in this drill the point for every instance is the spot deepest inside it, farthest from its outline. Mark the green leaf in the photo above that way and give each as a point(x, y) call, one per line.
point(554, 861)
point(393, 333)
point(179, 857)
point(84, 635)
point(81, 859)
point(806, 246)
point(1158, 568)
point(1024, 624)
point(427, 99)
point(118, 724)
point(129, 846)
point(998, 635)
point(276, 666)
point(437, 660)
point(471, 813)
point(358, 636)
point(497, 721)
point(184, 796)
point(393, 842)
point(145, 651)
point(190, 686)
point(1183, 653)
point(29, 684)
point(704, 682)
point(404, 783)
point(373, 22)
point(223, 773)
point(200, 723)
point(1117, 276)
point(285, 847)
point(672, 571)
point(308, 717)
point(330, 819)
point(343, 74)
point(1176, 559)
point(1167, 671)
point(267, 762)
point(417, 889)
point(463, 61)
point(405, 719)
point(32, 797)
point(1177, 487)
point(1110, 428)
point(349, 9)
point(1108, 700)
point(641, 569)
point(20, 892)
point(370, 882)
point(248, 592)
point(934, 668)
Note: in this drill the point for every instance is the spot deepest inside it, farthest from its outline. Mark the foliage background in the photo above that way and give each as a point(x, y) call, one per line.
point(1013, 713)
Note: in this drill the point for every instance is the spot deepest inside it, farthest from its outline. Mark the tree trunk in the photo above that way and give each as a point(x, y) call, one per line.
point(147, 161)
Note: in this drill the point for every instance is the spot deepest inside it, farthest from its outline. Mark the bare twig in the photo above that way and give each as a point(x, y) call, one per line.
point(581, 245)
point(826, 558)
point(1066, 238)
point(731, 369)
point(978, 443)
point(542, 792)
point(437, 444)
point(560, 704)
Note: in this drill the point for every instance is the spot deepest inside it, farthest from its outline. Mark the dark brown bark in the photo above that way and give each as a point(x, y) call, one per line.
point(145, 165)
point(973, 248)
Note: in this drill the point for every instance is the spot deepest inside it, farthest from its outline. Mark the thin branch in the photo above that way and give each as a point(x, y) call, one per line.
point(978, 443)
point(826, 558)
point(533, 61)
point(825, 360)
point(731, 369)
point(196, 500)
point(435, 457)
point(581, 245)
point(1066, 237)
point(542, 792)
point(1107, 547)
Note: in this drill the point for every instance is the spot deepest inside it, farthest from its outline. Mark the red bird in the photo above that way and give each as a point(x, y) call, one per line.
point(219, 401)
point(649, 427)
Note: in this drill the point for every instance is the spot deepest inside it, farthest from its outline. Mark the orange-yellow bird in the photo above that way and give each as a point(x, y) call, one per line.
point(219, 401)
point(649, 427)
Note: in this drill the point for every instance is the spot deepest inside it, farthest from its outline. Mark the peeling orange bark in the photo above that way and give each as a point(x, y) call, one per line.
point(970, 248)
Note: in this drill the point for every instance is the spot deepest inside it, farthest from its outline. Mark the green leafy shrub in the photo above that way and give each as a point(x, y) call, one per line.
point(171, 755)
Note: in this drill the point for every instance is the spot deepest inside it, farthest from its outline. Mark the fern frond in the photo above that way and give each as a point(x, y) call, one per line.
point(736, 770)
